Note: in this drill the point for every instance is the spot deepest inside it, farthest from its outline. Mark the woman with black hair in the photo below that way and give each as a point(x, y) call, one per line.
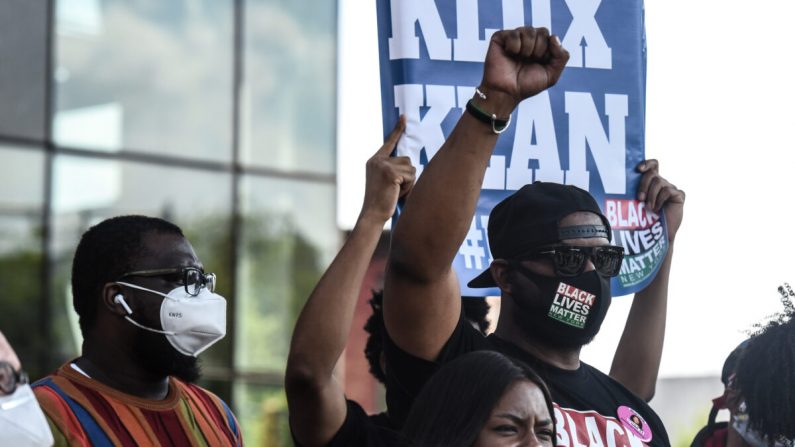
point(482, 399)
point(763, 384)
point(759, 379)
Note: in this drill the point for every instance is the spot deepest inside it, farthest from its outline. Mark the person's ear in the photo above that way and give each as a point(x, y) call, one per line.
point(502, 273)
point(114, 300)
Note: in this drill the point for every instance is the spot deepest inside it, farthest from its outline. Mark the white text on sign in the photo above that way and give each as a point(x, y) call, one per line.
point(583, 39)
point(533, 117)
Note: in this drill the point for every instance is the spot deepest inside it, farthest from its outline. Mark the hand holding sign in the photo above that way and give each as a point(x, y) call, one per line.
point(521, 63)
point(659, 193)
point(388, 178)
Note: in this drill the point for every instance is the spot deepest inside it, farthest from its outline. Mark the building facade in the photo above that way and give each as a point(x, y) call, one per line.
point(218, 115)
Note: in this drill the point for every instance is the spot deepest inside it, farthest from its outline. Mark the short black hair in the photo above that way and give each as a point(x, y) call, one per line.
point(475, 309)
point(458, 399)
point(105, 252)
point(764, 375)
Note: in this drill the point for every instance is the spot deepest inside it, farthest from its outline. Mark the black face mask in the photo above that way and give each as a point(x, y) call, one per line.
point(568, 311)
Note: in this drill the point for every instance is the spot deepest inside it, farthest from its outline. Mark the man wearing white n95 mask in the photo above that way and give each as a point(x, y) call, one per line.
point(147, 310)
point(22, 423)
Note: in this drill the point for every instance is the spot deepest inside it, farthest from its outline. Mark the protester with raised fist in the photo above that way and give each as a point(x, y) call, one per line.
point(548, 242)
point(483, 399)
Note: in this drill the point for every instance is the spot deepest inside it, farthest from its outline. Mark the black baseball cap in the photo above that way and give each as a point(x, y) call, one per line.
point(529, 218)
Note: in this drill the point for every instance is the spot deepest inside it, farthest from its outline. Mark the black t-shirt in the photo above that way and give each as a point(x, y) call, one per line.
point(382, 420)
point(591, 408)
point(360, 430)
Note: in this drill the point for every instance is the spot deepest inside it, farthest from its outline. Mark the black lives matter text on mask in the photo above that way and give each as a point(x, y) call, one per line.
point(571, 305)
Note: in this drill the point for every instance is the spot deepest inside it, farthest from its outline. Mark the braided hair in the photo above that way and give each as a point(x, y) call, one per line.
point(765, 374)
point(375, 339)
point(475, 310)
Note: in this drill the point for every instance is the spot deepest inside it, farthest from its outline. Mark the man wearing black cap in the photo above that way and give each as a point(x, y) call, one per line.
point(552, 262)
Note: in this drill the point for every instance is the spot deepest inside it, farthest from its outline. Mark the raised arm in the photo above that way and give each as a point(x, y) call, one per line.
point(421, 292)
point(315, 398)
point(637, 359)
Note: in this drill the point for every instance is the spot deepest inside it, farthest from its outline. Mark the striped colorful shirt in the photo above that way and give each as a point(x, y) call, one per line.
point(84, 412)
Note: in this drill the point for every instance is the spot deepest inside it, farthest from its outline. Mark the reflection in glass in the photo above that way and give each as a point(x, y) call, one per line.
point(23, 72)
point(86, 191)
point(152, 76)
point(288, 239)
point(156, 77)
point(262, 413)
point(21, 187)
point(289, 85)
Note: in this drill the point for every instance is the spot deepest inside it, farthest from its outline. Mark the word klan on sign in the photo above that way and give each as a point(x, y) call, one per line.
point(534, 154)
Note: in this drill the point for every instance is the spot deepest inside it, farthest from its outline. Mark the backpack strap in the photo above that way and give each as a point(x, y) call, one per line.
point(714, 433)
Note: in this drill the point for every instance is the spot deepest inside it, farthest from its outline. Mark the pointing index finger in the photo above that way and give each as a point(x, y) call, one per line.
point(394, 136)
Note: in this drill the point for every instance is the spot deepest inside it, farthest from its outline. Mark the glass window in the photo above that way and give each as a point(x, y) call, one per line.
point(23, 77)
point(86, 191)
point(288, 238)
point(145, 75)
point(21, 197)
point(262, 413)
point(288, 105)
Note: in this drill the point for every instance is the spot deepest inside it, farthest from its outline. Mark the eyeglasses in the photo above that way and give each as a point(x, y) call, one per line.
point(570, 260)
point(10, 379)
point(193, 278)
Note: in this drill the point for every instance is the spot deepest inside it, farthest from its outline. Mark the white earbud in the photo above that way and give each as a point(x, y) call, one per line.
point(119, 299)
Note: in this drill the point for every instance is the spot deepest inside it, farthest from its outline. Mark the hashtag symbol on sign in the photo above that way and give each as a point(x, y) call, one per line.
point(472, 249)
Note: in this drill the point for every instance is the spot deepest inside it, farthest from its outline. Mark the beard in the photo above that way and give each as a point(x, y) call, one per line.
point(530, 315)
point(533, 331)
point(535, 301)
point(156, 355)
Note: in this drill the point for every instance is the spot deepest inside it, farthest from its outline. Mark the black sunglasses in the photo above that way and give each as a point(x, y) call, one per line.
point(10, 379)
point(570, 260)
point(193, 278)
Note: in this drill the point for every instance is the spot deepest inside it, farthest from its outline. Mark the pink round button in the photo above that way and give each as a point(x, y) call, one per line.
point(635, 423)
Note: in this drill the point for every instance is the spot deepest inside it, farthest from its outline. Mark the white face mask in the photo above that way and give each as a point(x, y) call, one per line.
point(22, 422)
point(740, 424)
point(190, 323)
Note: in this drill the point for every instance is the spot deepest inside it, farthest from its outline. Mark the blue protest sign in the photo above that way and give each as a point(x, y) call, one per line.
point(587, 131)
